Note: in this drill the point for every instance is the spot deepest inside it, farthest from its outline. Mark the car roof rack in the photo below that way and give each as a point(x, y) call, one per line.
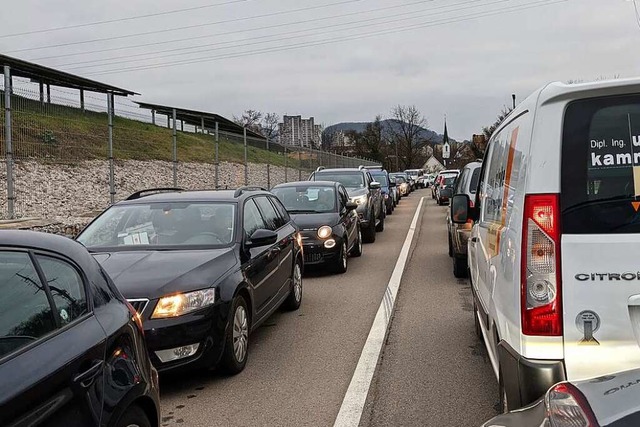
point(375, 167)
point(361, 167)
point(241, 190)
point(151, 191)
point(320, 168)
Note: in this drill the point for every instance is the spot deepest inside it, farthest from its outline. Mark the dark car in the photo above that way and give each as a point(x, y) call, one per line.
point(466, 183)
point(203, 268)
point(72, 351)
point(364, 191)
point(444, 190)
point(611, 401)
point(382, 176)
point(327, 219)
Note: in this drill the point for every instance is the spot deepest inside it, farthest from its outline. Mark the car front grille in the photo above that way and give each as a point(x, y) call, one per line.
point(312, 257)
point(139, 304)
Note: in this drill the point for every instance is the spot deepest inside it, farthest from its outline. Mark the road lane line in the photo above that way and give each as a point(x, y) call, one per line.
point(356, 396)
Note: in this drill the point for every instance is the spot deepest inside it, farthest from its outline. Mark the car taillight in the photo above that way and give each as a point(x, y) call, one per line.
point(567, 407)
point(541, 306)
point(135, 316)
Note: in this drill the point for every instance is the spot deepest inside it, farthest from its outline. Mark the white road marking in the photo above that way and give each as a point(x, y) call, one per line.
point(356, 396)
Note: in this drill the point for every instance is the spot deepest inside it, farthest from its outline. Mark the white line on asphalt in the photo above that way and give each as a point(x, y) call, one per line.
point(356, 396)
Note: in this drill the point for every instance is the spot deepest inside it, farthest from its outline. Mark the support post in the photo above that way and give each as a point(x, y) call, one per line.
point(82, 100)
point(168, 121)
point(286, 164)
point(175, 150)
point(48, 93)
point(112, 186)
point(300, 164)
point(181, 125)
point(153, 117)
point(268, 165)
point(216, 160)
point(202, 124)
point(246, 164)
point(8, 90)
point(41, 93)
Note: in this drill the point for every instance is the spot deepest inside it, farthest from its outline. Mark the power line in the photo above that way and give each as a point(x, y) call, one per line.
point(240, 31)
point(130, 18)
point(445, 21)
point(188, 27)
point(194, 49)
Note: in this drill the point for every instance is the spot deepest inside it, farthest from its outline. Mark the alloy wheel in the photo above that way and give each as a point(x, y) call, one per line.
point(240, 333)
point(297, 283)
point(344, 255)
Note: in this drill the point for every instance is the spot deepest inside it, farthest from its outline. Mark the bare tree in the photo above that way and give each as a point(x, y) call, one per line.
point(249, 119)
point(270, 125)
point(406, 135)
point(489, 130)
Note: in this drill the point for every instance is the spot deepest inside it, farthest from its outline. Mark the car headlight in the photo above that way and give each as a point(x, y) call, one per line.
point(359, 200)
point(179, 304)
point(325, 232)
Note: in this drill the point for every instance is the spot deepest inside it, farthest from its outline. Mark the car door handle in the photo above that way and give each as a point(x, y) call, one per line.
point(85, 379)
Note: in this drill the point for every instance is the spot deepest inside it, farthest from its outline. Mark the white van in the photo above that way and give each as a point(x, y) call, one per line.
point(554, 253)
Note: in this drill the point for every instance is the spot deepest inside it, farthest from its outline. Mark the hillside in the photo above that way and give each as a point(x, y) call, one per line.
point(57, 133)
point(434, 137)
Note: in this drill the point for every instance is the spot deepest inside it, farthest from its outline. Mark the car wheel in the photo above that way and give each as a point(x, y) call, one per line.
point(369, 233)
point(357, 248)
point(236, 346)
point(460, 266)
point(389, 210)
point(380, 226)
point(450, 245)
point(342, 262)
point(294, 299)
point(134, 417)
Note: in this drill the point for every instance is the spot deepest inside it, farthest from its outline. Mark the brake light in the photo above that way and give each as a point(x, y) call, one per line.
point(541, 306)
point(567, 407)
point(135, 316)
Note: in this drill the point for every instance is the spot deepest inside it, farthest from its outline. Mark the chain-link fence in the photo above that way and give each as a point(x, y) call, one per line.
point(64, 156)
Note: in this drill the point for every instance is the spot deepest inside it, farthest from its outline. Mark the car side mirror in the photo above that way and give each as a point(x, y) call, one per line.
point(351, 206)
point(262, 237)
point(461, 210)
point(375, 185)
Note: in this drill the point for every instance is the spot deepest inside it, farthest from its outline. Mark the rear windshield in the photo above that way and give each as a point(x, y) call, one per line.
point(353, 180)
point(601, 166)
point(475, 177)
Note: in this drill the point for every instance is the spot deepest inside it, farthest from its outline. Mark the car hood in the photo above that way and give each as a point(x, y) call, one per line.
point(356, 192)
point(152, 274)
point(314, 221)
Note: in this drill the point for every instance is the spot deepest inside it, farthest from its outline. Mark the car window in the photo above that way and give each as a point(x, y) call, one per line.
point(269, 214)
point(344, 196)
point(601, 166)
point(25, 311)
point(252, 220)
point(353, 180)
point(459, 187)
point(283, 216)
point(179, 224)
point(307, 198)
point(66, 287)
point(473, 182)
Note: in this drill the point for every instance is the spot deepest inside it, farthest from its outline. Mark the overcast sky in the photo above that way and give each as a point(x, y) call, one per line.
point(441, 55)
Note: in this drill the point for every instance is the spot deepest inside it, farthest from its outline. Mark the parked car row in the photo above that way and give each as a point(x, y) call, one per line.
point(167, 280)
point(549, 223)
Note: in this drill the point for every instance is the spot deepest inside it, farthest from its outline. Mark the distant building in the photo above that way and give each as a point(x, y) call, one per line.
point(299, 132)
point(433, 165)
point(343, 144)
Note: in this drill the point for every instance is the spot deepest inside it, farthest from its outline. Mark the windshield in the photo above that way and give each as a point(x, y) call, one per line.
point(307, 199)
point(601, 166)
point(162, 224)
point(349, 180)
point(449, 180)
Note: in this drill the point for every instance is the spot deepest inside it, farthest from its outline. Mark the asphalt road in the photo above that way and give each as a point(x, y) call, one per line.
point(433, 370)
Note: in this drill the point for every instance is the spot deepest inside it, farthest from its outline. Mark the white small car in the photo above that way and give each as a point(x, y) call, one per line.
point(554, 253)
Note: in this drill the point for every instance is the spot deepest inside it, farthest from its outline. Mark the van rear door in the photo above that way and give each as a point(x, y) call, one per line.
point(600, 249)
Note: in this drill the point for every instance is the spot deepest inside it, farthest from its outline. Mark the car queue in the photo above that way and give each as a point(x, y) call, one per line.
point(174, 280)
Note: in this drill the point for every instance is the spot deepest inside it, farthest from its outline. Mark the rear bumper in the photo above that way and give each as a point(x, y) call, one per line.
point(527, 380)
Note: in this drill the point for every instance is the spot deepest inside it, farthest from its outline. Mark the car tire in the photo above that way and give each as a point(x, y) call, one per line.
point(236, 344)
point(342, 263)
point(134, 417)
point(450, 245)
point(294, 299)
point(380, 226)
point(356, 251)
point(459, 266)
point(390, 210)
point(369, 233)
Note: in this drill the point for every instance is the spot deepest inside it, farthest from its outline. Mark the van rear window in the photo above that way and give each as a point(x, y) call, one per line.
point(601, 166)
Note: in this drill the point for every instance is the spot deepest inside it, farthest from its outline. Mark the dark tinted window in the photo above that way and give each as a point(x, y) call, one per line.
point(66, 287)
point(348, 179)
point(459, 187)
point(252, 219)
point(269, 213)
point(601, 166)
point(25, 312)
point(475, 178)
point(283, 216)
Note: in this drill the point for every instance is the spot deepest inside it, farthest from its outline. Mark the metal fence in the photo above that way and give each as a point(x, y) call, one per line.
point(63, 155)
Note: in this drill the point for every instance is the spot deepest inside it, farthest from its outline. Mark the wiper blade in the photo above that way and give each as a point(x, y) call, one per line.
point(295, 211)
